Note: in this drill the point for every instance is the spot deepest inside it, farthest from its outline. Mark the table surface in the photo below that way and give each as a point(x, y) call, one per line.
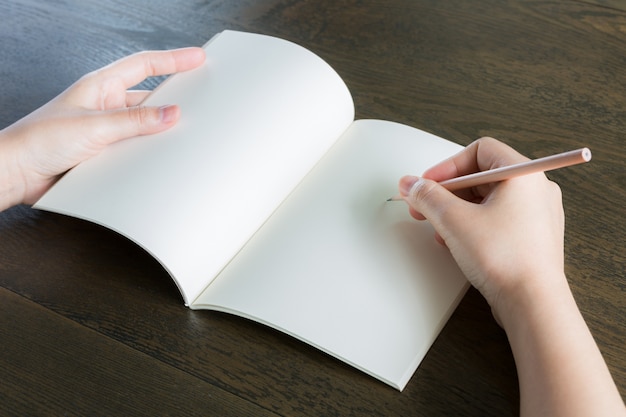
point(92, 325)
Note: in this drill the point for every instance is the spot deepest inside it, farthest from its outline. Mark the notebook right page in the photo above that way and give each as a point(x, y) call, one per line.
point(342, 269)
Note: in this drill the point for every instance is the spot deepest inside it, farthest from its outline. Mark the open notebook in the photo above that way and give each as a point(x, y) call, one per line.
point(267, 200)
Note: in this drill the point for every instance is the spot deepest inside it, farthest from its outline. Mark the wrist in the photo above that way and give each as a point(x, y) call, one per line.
point(560, 368)
point(533, 300)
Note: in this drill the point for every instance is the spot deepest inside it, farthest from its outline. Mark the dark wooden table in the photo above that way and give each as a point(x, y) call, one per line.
point(92, 325)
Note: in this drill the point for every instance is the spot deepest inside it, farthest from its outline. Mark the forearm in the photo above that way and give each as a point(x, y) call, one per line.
point(560, 368)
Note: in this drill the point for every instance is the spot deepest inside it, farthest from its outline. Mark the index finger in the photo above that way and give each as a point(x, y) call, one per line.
point(481, 155)
point(135, 68)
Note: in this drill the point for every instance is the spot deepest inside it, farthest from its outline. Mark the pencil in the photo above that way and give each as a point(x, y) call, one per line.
point(547, 163)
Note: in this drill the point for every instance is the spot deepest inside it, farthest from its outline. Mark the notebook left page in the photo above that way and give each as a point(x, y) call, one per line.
point(255, 118)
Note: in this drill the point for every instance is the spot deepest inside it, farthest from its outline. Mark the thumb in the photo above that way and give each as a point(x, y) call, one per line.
point(134, 121)
point(429, 200)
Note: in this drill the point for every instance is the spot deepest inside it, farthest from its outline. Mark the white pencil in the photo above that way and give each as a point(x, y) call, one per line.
point(547, 163)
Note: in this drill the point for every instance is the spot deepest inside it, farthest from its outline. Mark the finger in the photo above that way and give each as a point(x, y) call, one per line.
point(415, 214)
point(404, 186)
point(109, 127)
point(135, 68)
point(491, 153)
point(481, 155)
point(431, 201)
point(135, 97)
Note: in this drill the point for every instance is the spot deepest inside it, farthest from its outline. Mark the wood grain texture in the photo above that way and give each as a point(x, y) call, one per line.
point(70, 370)
point(129, 298)
point(611, 4)
point(544, 76)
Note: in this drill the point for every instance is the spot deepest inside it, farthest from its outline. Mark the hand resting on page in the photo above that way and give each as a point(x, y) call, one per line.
point(94, 112)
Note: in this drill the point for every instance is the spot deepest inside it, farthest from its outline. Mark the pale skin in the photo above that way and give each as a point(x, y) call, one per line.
point(511, 250)
point(91, 114)
point(508, 240)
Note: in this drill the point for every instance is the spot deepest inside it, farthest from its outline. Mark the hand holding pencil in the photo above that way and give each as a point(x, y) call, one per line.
point(547, 163)
point(508, 239)
point(498, 232)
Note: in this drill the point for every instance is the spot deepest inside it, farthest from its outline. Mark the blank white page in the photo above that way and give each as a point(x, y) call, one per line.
point(255, 118)
point(343, 270)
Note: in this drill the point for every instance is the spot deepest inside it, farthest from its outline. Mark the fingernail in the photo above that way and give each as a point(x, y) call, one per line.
point(408, 183)
point(168, 114)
